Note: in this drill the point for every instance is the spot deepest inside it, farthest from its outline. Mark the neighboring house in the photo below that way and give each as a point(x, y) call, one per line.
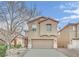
point(42, 33)
point(18, 41)
point(69, 36)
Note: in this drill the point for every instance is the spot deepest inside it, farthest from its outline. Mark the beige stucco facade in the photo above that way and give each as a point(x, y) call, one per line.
point(41, 34)
point(67, 35)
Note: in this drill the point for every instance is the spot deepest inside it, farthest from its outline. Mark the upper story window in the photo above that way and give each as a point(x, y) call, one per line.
point(34, 27)
point(48, 27)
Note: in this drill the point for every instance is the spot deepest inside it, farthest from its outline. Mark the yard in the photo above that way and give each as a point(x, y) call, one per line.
point(18, 50)
point(3, 49)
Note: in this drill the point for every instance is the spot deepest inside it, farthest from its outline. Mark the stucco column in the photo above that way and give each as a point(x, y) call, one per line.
point(29, 44)
point(70, 44)
point(22, 43)
point(55, 43)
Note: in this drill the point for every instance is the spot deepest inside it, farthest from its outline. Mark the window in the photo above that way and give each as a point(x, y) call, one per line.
point(34, 27)
point(49, 27)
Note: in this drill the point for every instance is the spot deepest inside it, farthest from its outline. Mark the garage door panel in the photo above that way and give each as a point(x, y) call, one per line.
point(75, 43)
point(42, 43)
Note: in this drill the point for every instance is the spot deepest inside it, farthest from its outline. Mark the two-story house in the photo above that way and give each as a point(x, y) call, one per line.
point(42, 33)
point(69, 36)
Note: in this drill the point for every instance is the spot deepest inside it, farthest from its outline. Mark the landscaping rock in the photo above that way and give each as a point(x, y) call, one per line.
point(16, 52)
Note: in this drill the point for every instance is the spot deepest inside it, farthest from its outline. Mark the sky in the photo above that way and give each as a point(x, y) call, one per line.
point(65, 12)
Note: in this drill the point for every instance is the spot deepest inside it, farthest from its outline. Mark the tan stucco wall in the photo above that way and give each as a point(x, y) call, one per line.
point(42, 31)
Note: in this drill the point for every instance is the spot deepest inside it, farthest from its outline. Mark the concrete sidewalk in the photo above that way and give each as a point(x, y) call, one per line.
point(69, 52)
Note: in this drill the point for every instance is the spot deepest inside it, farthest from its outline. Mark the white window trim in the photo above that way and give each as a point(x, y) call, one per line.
point(73, 27)
point(59, 33)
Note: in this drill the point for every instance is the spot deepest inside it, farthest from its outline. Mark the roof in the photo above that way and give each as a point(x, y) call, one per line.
point(70, 24)
point(37, 18)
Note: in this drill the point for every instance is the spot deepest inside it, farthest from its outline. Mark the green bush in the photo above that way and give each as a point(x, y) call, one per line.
point(18, 46)
point(12, 46)
point(3, 49)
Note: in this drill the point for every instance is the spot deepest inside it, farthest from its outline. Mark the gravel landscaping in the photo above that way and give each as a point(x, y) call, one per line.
point(16, 52)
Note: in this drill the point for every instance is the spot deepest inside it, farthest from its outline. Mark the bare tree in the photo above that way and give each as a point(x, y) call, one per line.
point(13, 15)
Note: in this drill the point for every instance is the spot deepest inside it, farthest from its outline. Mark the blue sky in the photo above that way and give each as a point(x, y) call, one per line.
point(63, 11)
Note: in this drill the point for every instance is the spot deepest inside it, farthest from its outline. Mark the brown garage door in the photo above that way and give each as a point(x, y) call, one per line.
point(39, 43)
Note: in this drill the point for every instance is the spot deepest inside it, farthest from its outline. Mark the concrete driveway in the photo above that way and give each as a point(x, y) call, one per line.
point(44, 53)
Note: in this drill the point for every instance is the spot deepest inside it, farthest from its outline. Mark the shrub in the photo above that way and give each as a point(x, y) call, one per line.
point(3, 49)
point(12, 46)
point(18, 46)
